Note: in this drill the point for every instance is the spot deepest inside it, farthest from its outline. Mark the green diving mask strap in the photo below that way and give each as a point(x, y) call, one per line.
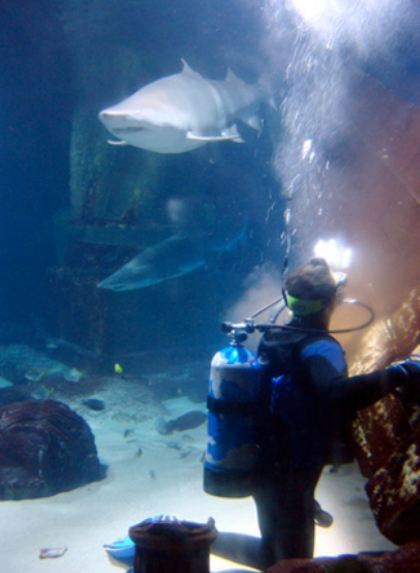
point(301, 306)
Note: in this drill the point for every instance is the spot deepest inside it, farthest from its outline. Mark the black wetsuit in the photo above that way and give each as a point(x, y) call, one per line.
point(310, 399)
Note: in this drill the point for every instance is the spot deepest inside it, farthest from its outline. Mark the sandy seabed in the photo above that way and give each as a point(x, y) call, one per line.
point(150, 474)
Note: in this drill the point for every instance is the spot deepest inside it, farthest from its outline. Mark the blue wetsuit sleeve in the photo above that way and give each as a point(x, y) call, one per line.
point(330, 351)
point(323, 365)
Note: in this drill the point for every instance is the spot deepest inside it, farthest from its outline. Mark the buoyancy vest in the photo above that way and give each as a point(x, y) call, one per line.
point(301, 429)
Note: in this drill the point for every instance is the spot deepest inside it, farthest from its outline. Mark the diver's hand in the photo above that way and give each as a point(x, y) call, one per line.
point(409, 368)
point(406, 374)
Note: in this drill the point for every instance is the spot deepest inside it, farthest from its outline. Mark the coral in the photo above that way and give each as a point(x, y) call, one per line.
point(45, 448)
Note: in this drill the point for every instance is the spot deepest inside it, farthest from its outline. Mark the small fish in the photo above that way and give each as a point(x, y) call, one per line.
point(186, 453)
point(94, 404)
point(174, 446)
point(118, 369)
point(139, 453)
point(35, 374)
point(187, 421)
point(73, 375)
point(51, 552)
point(42, 392)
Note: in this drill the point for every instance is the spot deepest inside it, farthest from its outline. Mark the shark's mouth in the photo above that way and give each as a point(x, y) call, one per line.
point(123, 130)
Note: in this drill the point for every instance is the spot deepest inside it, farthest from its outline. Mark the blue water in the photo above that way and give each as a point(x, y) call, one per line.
point(73, 210)
point(58, 57)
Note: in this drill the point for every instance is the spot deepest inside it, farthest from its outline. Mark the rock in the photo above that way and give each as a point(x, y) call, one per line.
point(12, 394)
point(187, 421)
point(394, 492)
point(406, 558)
point(386, 438)
point(45, 448)
point(94, 404)
point(52, 552)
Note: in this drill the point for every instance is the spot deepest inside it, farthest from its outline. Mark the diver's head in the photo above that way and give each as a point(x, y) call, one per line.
point(310, 291)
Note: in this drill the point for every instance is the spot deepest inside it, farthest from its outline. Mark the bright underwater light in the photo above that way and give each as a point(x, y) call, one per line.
point(314, 10)
point(336, 255)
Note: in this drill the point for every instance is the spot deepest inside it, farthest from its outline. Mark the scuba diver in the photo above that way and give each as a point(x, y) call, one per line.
point(309, 403)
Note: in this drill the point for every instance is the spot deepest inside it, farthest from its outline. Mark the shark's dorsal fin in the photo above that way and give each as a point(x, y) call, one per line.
point(231, 77)
point(186, 69)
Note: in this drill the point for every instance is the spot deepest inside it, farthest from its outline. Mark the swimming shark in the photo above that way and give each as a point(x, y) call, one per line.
point(184, 111)
point(173, 257)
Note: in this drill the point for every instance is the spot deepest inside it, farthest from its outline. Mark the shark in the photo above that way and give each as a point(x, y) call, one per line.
point(184, 111)
point(177, 255)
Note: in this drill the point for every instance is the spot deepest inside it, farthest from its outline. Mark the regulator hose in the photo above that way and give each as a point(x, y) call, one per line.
point(249, 325)
point(262, 327)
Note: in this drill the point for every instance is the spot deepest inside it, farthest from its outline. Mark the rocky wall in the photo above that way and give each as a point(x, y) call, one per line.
point(370, 200)
point(407, 558)
point(387, 442)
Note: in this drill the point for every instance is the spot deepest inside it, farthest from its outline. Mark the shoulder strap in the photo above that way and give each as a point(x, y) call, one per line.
point(310, 338)
point(299, 346)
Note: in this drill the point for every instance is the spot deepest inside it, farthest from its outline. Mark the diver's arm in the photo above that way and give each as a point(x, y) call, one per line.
point(358, 392)
point(403, 376)
point(366, 389)
point(323, 364)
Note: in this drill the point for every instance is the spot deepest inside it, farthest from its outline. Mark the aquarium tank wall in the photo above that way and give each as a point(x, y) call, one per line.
point(165, 167)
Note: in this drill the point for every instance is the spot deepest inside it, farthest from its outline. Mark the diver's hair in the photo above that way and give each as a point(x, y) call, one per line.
point(313, 281)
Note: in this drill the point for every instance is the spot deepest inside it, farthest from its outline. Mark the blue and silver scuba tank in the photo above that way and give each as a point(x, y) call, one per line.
point(233, 400)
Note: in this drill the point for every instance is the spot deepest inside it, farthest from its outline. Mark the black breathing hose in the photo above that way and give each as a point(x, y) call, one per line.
point(370, 318)
point(249, 326)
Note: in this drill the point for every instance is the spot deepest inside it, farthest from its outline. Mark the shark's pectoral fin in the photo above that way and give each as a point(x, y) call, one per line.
point(233, 134)
point(117, 142)
point(229, 134)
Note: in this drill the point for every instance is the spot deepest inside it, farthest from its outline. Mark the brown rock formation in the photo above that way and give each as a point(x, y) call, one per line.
point(387, 438)
point(407, 559)
point(371, 201)
point(45, 448)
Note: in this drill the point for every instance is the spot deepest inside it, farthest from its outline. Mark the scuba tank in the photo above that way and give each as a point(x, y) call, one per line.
point(234, 396)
